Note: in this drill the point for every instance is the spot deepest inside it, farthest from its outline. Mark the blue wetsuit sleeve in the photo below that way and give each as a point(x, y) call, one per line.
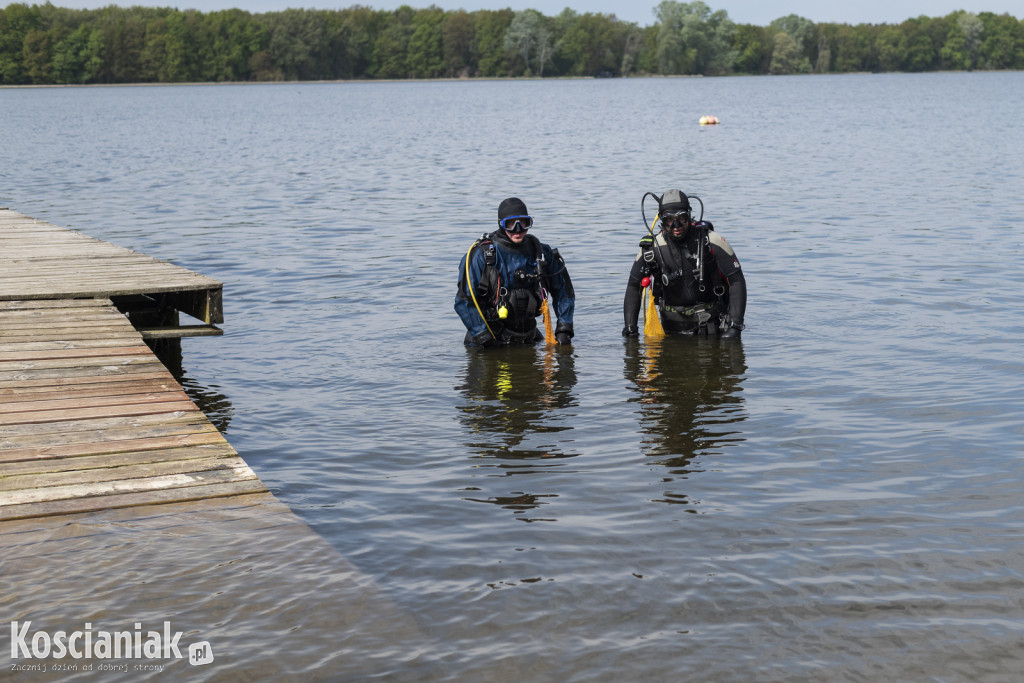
point(464, 305)
point(562, 296)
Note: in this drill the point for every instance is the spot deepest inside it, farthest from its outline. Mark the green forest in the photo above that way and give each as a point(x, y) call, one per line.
point(45, 44)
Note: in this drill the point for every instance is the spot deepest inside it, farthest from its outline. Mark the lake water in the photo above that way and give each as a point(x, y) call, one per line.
point(836, 498)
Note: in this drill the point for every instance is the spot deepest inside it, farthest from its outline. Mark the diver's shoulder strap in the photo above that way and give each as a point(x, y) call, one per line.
point(654, 248)
point(538, 252)
point(647, 251)
point(487, 244)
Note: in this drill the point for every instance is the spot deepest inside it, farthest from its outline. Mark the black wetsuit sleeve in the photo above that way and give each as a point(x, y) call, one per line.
point(729, 266)
point(631, 302)
point(737, 296)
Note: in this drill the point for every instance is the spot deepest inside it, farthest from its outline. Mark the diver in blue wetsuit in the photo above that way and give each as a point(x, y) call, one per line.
point(505, 286)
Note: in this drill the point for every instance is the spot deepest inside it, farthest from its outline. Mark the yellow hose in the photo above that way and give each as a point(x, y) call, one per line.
point(469, 286)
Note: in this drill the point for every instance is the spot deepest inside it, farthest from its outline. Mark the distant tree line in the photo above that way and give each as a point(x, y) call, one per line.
point(41, 44)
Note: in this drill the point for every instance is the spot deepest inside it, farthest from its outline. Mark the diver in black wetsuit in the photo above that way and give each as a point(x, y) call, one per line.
point(695, 276)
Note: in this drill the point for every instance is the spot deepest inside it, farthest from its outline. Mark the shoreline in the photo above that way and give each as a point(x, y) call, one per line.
point(477, 80)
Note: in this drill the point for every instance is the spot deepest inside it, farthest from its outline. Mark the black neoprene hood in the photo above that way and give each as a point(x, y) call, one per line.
point(513, 206)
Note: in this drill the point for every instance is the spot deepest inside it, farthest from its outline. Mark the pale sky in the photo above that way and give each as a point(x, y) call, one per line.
point(638, 11)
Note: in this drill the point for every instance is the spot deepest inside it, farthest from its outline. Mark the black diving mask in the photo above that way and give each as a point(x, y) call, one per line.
point(673, 220)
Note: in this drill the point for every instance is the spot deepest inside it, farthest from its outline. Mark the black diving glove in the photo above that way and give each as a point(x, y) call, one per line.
point(730, 329)
point(564, 333)
point(485, 340)
point(630, 331)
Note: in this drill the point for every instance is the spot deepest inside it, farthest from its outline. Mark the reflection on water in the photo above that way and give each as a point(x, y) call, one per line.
point(515, 403)
point(511, 401)
point(518, 503)
point(208, 397)
point(689, 395)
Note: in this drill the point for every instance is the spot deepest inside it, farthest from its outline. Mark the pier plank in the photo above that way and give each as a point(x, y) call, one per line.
point(28, 327)
point(142, 425)
point(122, 500)
point(12, 316)
point(35, 488)
point(49, 354)
point(68, 414)
point(167, 437)
point(57, 345)
point(18, 305)
point(125, 387)
point(119, 475)
point(64, 403)
point(108, 369)
point(51, 383)
point(75, 462)
point(77, 360)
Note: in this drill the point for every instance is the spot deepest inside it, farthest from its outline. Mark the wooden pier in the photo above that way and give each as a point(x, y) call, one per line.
point(41, 261)
point(90, 419)
point(121, 503)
